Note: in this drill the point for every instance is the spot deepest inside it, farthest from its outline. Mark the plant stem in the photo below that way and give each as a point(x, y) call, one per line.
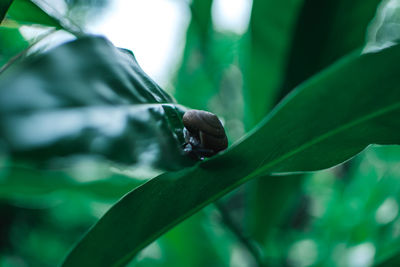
point(235, 229)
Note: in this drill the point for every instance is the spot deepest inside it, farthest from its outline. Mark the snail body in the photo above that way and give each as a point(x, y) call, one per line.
point(204, 134)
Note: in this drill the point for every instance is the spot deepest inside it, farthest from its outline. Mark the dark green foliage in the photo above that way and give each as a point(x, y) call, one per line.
point(11, 44)
point(81, 126)
point(101, 94)
point(320, 38)
point(279, 144)
point(27, 12)
point(314, 37)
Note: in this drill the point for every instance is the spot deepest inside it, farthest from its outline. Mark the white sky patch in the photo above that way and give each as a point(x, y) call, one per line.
point(153, 29)
point(231, 15)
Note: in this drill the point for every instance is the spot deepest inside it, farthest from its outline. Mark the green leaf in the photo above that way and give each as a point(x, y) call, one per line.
point(272, 25)
point(291, 46)
point(88, 97)
point(39, 12)
point(210, 73)
point(325, 32)
point(193, 84)
point(4, 5)
point(276, 195)
point(11, 43)
point(325, 121)
point(181, 245)
point(20, 181)
point(26, 12)
point(283, 55)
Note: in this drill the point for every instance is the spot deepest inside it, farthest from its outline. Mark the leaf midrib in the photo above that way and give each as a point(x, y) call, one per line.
point(328, 135)
point(262, 170)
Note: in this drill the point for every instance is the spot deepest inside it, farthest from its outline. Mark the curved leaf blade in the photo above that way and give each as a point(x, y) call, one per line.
point(88, 97)
point(272, 25)
point(324, 122)
point(325, 32)
point(40, 12)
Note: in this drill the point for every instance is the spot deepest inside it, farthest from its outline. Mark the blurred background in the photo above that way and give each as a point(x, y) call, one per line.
point(238, 59)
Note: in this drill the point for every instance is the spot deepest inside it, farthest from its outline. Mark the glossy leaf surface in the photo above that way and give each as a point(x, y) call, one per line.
point(302, 38)
point(39, 12)
point(300, 134)
point(25, 11)
point(88, 97)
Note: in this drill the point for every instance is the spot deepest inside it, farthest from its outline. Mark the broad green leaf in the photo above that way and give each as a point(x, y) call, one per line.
point(293, 40)
point(325, 121)
point(26, 12)
point(88, 97)
point(4, 5)
point(271, 29)
point(39, 12)
point(325, 32)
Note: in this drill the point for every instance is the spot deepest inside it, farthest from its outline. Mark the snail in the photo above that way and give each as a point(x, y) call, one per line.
point(204, 134)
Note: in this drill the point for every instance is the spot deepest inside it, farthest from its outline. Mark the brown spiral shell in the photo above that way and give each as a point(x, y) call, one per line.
point(207, 127)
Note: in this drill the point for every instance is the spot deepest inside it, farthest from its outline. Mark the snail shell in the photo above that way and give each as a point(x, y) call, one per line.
point(207, 128)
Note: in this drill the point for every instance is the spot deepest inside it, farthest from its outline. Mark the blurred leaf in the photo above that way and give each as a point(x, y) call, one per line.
point(325, 32)
point(19, 181)
point(87, 97)
point(26, 12)
point(324, 122)
point(394, 260)
point(193, 73)
point(182, 244)
point(271, 197)
point(4, 5)
point(11, 43)
point(385, 29)
point(370, 184)
point(39, 12)
point(209, 74)
point(271, 29)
